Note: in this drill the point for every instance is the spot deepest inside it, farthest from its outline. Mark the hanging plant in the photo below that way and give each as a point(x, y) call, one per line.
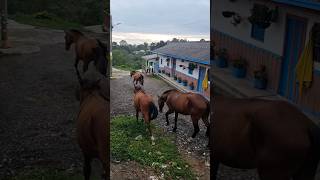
point(168, 59)
point(262, 16)
point(192, 66)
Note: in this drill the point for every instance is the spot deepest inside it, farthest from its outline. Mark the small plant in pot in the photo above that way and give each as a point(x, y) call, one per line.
point(262, 16)
point(175, 77)
point(222, 60)
point(179, 79)
point(185, 82)
point(159, 71)
point(239, 67)
point(191, 86)
point(260, 78)
point(168, 74)
point(163, 71)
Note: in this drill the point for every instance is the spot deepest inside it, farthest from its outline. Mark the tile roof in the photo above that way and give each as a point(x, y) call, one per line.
point(194, 51)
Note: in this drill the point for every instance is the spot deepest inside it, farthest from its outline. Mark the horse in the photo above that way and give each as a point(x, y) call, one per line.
point(100, 60)
point(273, 136)
point(187, 104)
point(92, 124)
point(137, 77)
point(143, 103)
point(84, 48)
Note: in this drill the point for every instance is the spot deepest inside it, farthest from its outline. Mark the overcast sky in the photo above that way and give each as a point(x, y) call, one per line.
point(154, 20)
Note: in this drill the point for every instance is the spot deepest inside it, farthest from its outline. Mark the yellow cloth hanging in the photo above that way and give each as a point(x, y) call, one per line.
point(205, 81)
point(304, 68)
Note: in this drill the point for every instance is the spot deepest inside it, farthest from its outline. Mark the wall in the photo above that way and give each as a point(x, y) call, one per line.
point(195, 73)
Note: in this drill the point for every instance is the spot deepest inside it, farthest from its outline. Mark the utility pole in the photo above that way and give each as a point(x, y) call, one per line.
point(4, 23)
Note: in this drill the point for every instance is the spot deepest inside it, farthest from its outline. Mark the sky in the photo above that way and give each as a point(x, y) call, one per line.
point(155, 20)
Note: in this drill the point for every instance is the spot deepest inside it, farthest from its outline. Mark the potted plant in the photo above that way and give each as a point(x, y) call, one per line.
point(222, 58)
point(175, 77)
point(262, 16)
point(191, 86)
point(185, 82)
point(159, 71)
point(163, 71)
point(260, 78)
point(179, 79)
point(239, 67)
point(168, 74)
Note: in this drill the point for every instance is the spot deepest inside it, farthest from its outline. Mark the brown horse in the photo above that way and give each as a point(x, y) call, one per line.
point(143, 103)
point(137, 77)
point(187, 104)
point(272, 136)
point(84, 47)
point(92, 122)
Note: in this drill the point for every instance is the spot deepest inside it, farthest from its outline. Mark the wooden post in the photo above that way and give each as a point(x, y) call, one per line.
point(4, 23)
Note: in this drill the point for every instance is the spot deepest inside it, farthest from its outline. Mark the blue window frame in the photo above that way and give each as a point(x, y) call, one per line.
point(257, 32)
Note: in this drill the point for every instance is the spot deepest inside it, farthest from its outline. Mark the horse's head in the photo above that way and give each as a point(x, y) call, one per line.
point(94, 81)
point(68, 39)
point(132, 73)
point(100, 57)
point(138, 88)
point(161, 101)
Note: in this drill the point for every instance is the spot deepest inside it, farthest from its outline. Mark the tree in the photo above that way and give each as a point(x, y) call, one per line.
point(123, 43)
point(202, 40)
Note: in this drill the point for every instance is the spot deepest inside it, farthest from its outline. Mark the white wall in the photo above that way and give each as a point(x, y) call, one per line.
point(164, 61)
point(274, 35)
point(195, 73)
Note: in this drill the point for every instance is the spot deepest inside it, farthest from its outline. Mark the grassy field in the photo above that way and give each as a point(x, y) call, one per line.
point(130, 141)
point(44, 19)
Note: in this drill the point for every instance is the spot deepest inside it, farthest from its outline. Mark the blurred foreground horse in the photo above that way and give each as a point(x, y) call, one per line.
point(273, 136)
point(137, 77)
point(93, 120)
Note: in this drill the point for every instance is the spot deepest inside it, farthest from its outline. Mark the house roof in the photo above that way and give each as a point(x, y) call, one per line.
point(194, 51)
point(309, 4)
point(151, 56)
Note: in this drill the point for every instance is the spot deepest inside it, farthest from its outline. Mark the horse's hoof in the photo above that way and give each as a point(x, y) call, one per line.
point(193, 135)
point(174, 129)
point(167, 124)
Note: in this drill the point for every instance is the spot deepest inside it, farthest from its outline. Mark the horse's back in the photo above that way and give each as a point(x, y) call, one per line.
point(84, 48)
point(92, 125)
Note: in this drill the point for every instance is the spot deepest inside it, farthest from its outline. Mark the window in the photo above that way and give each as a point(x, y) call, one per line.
point(161, 61)
point(257, 32)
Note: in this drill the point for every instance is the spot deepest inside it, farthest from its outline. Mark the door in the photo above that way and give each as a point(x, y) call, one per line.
point(202, 72)
point(294, 44)
point(156, 66)
point(173, 73)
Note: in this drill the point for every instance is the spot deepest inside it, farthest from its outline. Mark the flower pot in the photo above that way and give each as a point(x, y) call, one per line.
point(159, 71)
point(175, 78)
point(191, 87)
point(184, 83)
point(260, 83)
point(179, 80)
point(239, 72)
point(222, 62)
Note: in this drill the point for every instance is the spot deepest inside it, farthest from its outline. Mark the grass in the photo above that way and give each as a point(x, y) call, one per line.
point(46, 174)
point(125, 67)
point(43, 19)
point(163, 157)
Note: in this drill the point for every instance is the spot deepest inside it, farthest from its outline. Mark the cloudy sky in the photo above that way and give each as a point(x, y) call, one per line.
point(155, 20)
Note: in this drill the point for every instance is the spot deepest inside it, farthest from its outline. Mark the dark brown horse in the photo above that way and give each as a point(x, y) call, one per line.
point(92, 122)
point(143, 103)
point(187, 104)
point(273, 136)
point(85, 48)
point(137, 77)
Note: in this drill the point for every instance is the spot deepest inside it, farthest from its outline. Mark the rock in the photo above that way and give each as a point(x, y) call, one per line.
point(138, 138)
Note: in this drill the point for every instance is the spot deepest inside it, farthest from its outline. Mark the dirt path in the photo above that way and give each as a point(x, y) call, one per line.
point(194, 150)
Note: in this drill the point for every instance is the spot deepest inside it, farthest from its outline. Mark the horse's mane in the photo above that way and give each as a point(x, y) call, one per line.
point(77, 31)
point(167, 91)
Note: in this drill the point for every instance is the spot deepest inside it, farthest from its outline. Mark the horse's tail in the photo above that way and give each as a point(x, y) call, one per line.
point(153, 110)
point(142, 79)
point(207, 112)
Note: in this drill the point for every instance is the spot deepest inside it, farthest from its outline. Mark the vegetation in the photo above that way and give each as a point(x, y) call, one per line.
point(76, 11)
point(130, 141)
point(239, 63)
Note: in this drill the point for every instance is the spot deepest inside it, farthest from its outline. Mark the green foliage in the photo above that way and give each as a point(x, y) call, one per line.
point(121, 58)
point(163, 157)
point(85, 12)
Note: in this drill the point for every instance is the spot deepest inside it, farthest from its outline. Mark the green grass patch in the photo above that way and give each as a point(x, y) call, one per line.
point(44, 19)
point(125, 67)
point(47, 174)
point(163, 157)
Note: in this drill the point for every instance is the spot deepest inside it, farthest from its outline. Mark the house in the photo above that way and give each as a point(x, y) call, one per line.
point(151, 61)
point(277, 43)
point(187, 61)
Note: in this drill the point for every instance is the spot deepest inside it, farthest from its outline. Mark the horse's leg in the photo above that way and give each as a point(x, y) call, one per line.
point(76, 67)
point(195, 120)
point(206, 123)
point(175, 121)
point(167, 114)
point(214, 167)
point(87, 167)
point(137, 114)
point(85, 66)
